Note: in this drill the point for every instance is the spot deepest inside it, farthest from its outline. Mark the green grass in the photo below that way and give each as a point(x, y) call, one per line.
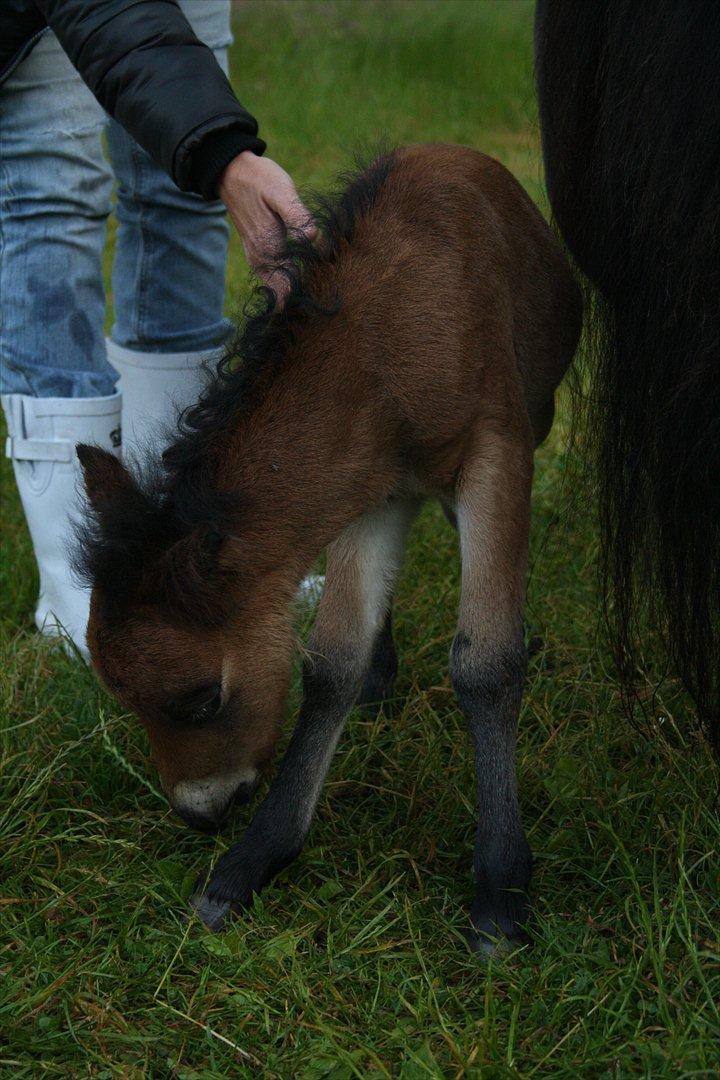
point(353, 963)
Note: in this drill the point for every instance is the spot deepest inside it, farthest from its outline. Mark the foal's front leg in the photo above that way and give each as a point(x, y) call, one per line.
point(488, 664)
point(362, 568)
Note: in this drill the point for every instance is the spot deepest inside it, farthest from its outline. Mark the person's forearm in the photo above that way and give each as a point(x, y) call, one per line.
point(213, 155)
point(150, 72)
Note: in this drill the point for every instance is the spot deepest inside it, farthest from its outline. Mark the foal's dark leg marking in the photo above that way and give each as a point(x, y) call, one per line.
point(489, 690)
point(488, 663)
point(277, 832)
point(361, 570)
point(380, 680)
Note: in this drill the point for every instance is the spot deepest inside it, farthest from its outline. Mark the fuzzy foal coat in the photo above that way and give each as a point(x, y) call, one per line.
point(417, 355)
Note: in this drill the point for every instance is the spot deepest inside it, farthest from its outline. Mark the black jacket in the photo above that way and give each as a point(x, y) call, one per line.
point(148, 70)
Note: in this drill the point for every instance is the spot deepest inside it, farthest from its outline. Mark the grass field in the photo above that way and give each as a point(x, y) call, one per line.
point(353, 964)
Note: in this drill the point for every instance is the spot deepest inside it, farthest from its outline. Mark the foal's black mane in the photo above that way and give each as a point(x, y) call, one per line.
point(261, 342)
point(168, 501)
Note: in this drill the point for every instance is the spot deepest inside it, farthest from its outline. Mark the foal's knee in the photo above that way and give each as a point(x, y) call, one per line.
point(333, 678)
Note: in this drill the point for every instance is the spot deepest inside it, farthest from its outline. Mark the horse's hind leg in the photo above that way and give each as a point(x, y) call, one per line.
point(488, 666)
point(362, 567)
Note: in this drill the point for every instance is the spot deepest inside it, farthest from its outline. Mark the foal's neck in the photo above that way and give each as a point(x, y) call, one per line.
point(305, 457)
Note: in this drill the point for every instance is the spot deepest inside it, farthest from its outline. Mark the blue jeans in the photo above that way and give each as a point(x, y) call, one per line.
point(55, 197)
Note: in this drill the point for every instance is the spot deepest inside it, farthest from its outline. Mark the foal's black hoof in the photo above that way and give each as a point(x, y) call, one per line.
point(497, 929)
point(492, 942)
point(228, 889)
point(212, 913)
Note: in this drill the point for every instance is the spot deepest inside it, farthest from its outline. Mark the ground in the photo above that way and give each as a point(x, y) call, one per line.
point(354, 963)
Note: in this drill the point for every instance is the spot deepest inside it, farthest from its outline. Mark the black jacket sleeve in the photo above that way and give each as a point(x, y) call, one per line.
point(148, 70)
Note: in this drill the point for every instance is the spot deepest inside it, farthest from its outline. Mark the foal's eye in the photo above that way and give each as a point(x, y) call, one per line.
point(199, 706)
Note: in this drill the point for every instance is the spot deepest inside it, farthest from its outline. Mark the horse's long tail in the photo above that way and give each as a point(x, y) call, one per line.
point(630, 117)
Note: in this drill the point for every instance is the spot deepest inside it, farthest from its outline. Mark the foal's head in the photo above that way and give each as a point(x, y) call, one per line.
point(182, 636)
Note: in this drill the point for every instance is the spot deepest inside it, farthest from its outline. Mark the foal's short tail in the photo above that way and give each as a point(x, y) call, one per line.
point(631, 138)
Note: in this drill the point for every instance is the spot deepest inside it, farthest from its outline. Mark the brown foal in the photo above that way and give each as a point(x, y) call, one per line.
point(417, 355)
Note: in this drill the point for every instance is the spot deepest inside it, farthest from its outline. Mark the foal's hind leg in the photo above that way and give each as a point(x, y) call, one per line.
point(379, 682)
point(362, 568)
point(488, 667)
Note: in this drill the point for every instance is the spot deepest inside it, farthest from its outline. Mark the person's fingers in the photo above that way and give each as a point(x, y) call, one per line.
point(297, 217)
point(265, 207)
point(280, 285)
point(286, 203)
point(264, 247)
point(262, 236)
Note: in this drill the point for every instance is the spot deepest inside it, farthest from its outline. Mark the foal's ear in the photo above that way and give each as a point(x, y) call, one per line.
point(104, 474)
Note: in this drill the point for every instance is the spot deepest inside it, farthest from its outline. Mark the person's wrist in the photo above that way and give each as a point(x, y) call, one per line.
point(237, 170)
point(216, 152)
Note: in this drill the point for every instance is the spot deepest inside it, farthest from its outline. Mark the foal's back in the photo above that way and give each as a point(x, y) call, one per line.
point(465, 298)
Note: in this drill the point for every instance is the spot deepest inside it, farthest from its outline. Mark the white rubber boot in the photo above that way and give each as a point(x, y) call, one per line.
point(155, 388)
point(42, 435)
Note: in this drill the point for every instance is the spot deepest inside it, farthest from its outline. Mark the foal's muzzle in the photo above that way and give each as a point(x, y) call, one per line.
point(206, 804)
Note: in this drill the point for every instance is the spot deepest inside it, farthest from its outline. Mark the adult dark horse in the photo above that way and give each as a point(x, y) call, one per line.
point(630, 115)
point(417, 356)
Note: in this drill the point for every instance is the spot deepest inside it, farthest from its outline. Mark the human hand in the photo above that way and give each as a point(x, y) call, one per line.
point(264, 205)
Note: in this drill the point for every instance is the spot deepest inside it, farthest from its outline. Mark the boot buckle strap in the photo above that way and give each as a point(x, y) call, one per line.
point(61, 450)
